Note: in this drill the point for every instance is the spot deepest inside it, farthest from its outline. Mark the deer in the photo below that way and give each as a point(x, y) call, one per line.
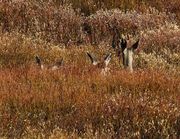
point(127, 54)
point(101, 65)
point(124, 52)
point(53, 67)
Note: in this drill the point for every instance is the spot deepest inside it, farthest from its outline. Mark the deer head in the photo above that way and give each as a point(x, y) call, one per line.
point(127, 53)
point(55, 66)
point(102, 65)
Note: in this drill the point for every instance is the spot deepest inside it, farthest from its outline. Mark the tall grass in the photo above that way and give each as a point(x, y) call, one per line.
point(76, 101)
point(143, 104)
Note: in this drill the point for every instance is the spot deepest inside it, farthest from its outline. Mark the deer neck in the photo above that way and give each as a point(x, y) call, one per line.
point(128, 59)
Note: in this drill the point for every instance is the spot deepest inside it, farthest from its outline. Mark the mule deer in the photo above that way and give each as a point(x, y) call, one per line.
point(102, 65)
point(127, 53)
point(119, 44)
point(55, 66)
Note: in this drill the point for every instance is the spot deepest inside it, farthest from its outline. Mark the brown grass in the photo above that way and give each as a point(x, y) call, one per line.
point(145, 103)
point(76, 101)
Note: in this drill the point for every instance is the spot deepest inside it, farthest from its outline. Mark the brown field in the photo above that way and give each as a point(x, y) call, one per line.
point(76, 101)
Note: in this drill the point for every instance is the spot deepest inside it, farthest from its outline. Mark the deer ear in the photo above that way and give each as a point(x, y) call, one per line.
point(135, 45)
point(93, 60)
point(38, 60)
point(123, 44)
point(107, 59)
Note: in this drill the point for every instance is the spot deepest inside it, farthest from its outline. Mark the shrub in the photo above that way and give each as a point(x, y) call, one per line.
point(104, 21)
point(59, 24)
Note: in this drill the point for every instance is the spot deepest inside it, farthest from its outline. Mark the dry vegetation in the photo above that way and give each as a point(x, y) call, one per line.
point(76, 101)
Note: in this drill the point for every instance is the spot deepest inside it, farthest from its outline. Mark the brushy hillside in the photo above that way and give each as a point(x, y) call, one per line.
point(77, 101)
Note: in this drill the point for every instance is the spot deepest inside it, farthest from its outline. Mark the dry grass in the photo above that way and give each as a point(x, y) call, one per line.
point(145, 103)
point(76, 101)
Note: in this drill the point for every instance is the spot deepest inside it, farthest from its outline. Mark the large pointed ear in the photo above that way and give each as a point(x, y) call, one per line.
point(107, 59)
point(93, 59)
point(135, 45)
point(38, 60)
point(123, 44)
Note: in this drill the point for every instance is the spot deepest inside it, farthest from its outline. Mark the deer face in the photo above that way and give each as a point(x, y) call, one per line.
point(53, 67)
point(127, 54)
point(101, 65)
